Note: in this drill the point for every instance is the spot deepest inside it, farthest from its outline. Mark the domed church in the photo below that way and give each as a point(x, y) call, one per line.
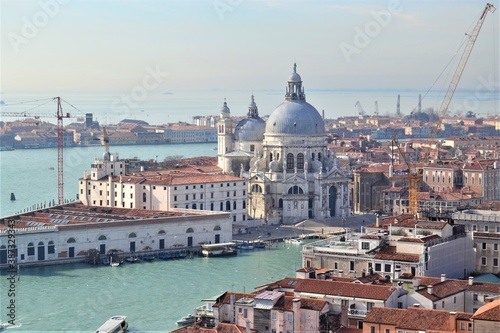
point(291, 174)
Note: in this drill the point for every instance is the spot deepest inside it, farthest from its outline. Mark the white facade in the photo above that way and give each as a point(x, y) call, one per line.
point(108, 185)
point(153, 231)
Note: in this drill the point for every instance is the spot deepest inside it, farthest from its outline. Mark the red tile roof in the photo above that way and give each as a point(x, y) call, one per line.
point(346, 289)
point(489, 311)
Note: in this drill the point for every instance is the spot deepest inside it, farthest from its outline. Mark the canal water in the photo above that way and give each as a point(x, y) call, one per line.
point(153, 295)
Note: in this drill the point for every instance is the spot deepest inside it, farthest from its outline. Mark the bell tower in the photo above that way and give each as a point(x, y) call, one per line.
point(224, 134)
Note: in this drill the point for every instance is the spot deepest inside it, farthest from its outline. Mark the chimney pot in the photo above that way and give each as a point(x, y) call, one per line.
point(416, 305)
point(471, 280)
point(443, 277)
point(430, 289)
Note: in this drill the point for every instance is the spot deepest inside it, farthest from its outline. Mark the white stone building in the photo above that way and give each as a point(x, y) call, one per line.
point(291, 174)
point(70, 231)
point(111, 184)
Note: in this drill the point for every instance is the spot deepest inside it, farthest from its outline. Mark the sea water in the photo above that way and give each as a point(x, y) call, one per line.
point(153, 295)
point(80, 297)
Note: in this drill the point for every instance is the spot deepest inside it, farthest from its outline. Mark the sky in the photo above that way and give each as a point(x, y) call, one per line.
point(153, 47)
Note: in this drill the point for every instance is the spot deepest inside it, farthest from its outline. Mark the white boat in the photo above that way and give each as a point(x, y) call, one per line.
point(220, 249)
point(186, 320)
point(115, 324)
point(115, 264)
point(294, 241)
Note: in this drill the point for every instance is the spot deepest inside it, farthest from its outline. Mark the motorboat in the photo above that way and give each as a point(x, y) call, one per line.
point(148, 258)
point(132, 259)
point(219, 249)
point(293, 241)
point(186, 320)
point(246, 246)
point(115, 324)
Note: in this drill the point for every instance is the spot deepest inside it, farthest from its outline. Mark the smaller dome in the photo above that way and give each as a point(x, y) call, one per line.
point(106, 156)
point(250, 129)
point(294, 77)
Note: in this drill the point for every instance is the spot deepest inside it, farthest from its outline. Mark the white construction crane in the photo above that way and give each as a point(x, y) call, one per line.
point(460, 69)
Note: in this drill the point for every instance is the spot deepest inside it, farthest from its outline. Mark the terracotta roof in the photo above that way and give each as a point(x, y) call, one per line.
point(390, 253)
point(489, 311)
point(347, 289)
point(415, 318)
point(442, 289)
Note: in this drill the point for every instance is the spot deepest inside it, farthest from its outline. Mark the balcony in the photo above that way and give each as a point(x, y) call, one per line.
point(357, 312)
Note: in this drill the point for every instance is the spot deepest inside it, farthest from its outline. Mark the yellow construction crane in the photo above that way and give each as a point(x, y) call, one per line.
point(105, 139)
point(415, 169)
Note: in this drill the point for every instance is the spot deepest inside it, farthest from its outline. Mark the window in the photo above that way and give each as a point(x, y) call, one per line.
point(474, 297)
point(387, 268)
point(351, 265)
point(486, 228)
point(495, 262)
point(300, 161)
point(495, 247)
point(378, 267)
point(369, 306)
point(289, 161)
point(483, 261)
point(483, 247)
point(187, 196)
point(175, 198)
point(365, 245)
point(336, 265)
point(252, 148)
point(387, 330)
point(474, 227)
point(400, 305)
point(144, 197)
point(31, 249)
point(245, 313)
point(211, 195)
point(372, 329)
point(194, 196)
point(462, 326)
point(469, 328)
point(51, 248)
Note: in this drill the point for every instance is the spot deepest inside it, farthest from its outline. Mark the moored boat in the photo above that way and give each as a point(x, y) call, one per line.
point(132, 259)
point(246, 246)
point(186, 320)
point(217, 250)
point(115, 324)
point(293, 241)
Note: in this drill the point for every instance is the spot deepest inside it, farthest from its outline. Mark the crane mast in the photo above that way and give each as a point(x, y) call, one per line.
point(460, 68)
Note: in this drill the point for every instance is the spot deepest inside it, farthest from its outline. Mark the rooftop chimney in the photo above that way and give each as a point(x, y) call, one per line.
point(341, 272)
point(430, 289)
point(471, 280)
point(453, 321)
point(443, 277)
point(377, 220)
point(416, 305)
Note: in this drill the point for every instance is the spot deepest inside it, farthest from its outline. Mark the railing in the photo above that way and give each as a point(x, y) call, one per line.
point(357, 312)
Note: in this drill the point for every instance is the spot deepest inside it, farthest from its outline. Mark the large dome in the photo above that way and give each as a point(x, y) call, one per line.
point(296, 118)
point(250, 129)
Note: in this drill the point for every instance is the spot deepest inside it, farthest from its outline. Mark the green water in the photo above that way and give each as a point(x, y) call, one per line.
point(153, 295)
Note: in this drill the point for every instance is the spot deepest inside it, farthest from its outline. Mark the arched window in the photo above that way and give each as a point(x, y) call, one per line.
point(295, 190)
point(290, 161)
point(193, 206)
point(71, 240)
point(300, 161)
point(51, 249)
point(234, 204)
point(161, 232)
point(102, 237)
point(132, 235)
point(228, 205)
point(31, 249)
point(244, 204)
point(40, 244)
point(189, 231)
point(221, 206)
point(201, 206)
point(217, 228)
point(256, 188)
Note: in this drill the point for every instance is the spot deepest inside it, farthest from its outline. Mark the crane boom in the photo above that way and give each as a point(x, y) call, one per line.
point(460, 68)
point(60, 140)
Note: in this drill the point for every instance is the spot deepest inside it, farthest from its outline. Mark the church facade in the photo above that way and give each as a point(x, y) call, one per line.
point(291, 174)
